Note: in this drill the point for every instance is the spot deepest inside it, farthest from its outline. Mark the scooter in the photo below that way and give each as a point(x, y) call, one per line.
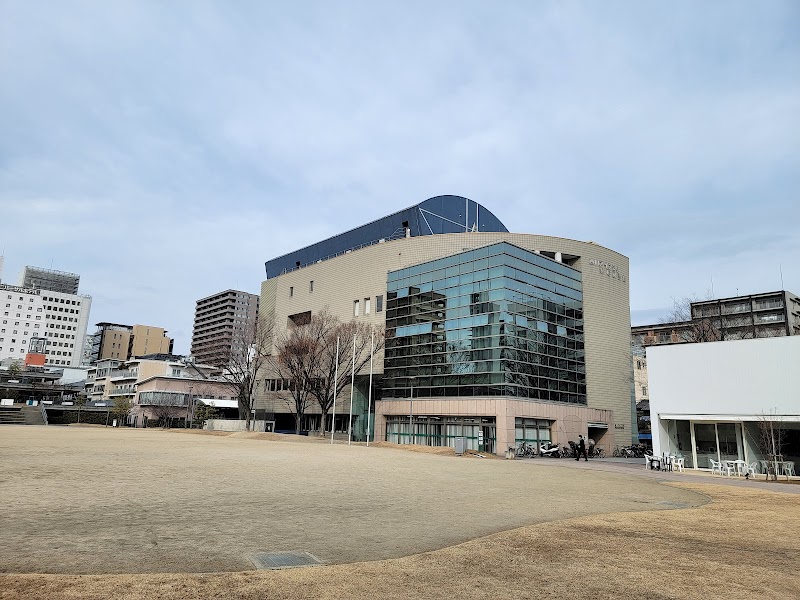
point(549, 449)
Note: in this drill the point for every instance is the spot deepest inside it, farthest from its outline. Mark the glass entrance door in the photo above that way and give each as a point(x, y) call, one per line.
point(728, 442)
point(705, 440)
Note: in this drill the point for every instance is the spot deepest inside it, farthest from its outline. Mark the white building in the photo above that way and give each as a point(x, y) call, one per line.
point(23, 320)
point(66, 320)
point(707, 400)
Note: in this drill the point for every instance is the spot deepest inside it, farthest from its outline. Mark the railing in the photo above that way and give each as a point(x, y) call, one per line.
point(44, 413)
point(735, 308)
point(762, 319)
point(767, 305)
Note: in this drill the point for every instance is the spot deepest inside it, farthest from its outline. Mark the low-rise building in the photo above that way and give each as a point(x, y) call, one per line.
point(712, 402)
point(157, 386)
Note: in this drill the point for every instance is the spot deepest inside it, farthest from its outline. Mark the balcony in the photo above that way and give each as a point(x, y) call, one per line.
point(743, 321)
point(732, 309)
point(768, 305)
point(769, 319)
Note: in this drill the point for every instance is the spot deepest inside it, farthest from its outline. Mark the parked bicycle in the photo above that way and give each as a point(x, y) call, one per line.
point(569, 451)
point(525, 450)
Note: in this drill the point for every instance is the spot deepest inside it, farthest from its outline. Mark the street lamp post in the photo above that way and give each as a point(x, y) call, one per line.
point(411, 414)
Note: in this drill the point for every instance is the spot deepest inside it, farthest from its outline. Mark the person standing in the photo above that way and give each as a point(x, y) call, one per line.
point(582, 449)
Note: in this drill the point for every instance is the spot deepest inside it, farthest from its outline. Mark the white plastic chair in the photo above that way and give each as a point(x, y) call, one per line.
point(788, 468)
point(677, 463)
point(716, 466)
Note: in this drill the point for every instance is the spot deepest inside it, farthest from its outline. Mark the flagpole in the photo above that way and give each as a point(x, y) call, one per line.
point(335, 383)
point(369, 393)
point(352, 388)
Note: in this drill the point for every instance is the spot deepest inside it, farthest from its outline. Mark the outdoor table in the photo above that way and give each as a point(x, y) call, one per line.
point(740, 466)
point(654, 462)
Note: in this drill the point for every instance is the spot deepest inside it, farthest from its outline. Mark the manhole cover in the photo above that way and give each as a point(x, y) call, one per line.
point(283, 560)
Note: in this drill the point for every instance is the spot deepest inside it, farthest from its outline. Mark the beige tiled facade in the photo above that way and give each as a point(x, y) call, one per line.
point(338, 282)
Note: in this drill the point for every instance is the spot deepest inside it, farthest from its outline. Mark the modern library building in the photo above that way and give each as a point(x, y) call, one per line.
point(497, 337)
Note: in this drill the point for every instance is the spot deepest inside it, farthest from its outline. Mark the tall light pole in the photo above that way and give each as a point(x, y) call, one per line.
point(411, 413)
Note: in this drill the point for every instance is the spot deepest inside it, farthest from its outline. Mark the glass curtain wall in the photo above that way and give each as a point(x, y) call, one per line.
point(480, 432)
point(494, 321)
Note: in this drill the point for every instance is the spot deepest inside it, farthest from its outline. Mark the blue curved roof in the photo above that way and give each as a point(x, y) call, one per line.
point(437, 215)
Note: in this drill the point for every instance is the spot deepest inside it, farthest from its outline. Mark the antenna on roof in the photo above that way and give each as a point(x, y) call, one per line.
point(780, 268)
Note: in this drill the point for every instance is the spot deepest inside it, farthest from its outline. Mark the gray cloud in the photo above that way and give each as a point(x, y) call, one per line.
point(164, 151)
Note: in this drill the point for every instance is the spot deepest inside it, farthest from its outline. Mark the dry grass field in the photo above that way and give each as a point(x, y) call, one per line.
point(601, 535)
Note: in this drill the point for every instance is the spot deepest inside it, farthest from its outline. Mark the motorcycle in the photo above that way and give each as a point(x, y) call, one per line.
point(550, 449)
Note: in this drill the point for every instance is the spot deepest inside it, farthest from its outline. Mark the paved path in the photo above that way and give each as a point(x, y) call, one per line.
point(635, 466)
point(97, 500)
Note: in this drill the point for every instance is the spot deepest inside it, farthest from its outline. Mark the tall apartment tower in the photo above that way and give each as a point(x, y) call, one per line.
point(49, 279)
point(221, 323)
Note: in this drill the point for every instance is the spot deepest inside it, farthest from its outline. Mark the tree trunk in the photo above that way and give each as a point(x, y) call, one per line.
point(297, 423)
point(322, 422)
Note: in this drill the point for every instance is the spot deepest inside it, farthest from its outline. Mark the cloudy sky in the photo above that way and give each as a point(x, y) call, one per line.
point(165, 150)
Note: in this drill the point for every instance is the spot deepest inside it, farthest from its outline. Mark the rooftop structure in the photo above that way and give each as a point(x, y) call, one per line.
point(49, 279)
point(434, 216)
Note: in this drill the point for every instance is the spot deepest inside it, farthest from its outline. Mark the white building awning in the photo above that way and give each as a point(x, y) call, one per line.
point(597, 425)
point(219, 403)
point(712, 418)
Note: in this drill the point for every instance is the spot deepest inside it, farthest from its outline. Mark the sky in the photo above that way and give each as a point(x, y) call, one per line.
point(165, 150)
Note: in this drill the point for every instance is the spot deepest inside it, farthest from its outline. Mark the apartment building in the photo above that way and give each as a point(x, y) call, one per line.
point(157, 384)
point(771, 314)
point(497, 337)
point(122, 342)
point(221, 325)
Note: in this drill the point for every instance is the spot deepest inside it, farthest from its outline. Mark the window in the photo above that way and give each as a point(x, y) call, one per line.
point(366, 306)
point(379, 303)
point(291, 291)
point(356, 307)
point(644, 390)
point(311, 286)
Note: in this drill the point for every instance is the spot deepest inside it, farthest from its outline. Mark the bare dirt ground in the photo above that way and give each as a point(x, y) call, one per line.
point(372, 503)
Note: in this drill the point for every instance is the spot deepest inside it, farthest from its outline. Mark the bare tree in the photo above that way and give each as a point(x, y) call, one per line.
point(706, 323)
point(771, 440)
point(246, 363)
point(324, 386)
point(296, 352)
point(163, 413)
point(693, 328)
